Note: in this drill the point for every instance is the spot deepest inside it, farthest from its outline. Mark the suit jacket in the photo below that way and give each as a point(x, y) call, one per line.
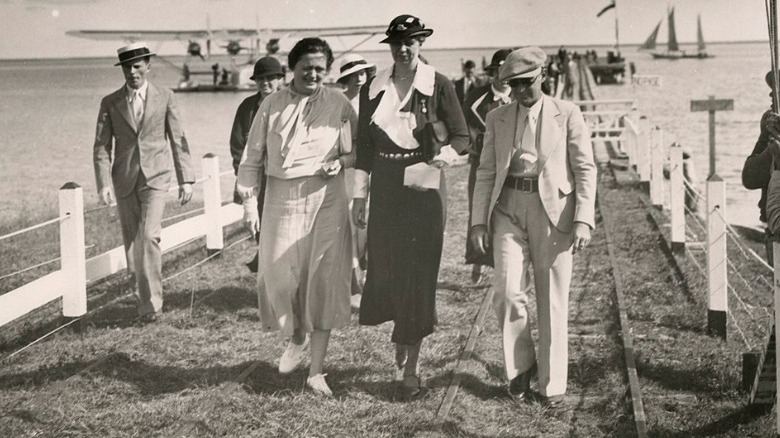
point(567, 172)
point(459, 87)
point(479, 102)
point(758, 167)
point(123, 150)
point(245, 115)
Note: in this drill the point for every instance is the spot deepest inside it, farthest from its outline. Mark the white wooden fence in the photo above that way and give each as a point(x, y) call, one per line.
point(76, 271)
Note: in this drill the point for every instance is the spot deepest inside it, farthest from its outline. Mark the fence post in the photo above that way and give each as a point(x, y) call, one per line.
point(657, 167)
point(212, 204)
point(73, 262)
point(677, 201)
point(643, 151)
point(717, 269)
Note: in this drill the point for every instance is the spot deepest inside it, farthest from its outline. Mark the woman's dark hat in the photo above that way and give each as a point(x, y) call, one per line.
point(132, 52)
point(403, 27)
point(498, 59)
point(267, 66)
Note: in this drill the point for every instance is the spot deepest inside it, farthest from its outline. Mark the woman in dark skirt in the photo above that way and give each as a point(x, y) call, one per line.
point(406, 225)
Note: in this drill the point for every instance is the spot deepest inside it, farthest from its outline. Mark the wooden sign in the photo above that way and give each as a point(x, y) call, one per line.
point(712, 104)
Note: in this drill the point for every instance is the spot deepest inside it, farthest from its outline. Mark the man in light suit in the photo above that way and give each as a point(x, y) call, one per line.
point(534, 202)
point(138, 135)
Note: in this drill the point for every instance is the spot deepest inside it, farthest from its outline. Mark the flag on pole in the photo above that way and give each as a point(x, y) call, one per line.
point(606, 8)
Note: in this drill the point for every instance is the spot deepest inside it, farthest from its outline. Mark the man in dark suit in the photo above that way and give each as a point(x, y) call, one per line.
point(268, 76)
point(138, 135)
point(534, 204)
point(480, 101)
point(468, 82)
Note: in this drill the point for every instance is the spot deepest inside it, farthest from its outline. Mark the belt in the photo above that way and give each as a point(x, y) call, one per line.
point(401, 156)
point(522, 183)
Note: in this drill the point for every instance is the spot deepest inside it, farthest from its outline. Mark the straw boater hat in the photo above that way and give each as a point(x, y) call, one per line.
point(403, 27)
point(132, 52)
point(526, 62)
point(352, 63)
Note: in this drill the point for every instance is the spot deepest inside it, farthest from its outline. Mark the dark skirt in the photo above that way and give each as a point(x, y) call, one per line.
point(405, 236)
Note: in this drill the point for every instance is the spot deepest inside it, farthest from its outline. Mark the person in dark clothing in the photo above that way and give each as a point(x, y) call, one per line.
point(406, 224)
point(479, 102)
point(758, 166)
point(268, 77)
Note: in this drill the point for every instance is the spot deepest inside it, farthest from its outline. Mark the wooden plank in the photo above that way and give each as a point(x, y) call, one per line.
point(460, 367)
point(640, 420)
point(29, 297)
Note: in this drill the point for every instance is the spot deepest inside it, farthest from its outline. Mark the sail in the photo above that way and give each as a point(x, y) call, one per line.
point(699, 36)
point(649, 43)
point(672, 44)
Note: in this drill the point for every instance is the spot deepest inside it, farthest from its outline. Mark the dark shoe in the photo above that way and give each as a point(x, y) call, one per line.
point(553, 402)
point(147, 318)
point(412, 387)
point(520, 386)
point(252, 265)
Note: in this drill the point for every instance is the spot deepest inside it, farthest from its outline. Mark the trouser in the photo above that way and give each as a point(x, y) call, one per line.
point(525, 239)
point(141, 213)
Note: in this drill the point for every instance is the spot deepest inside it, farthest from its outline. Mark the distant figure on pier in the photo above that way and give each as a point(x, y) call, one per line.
point(139, 134)
point(268, 77)
point(479, 102)
point(301, 141)
point(534, 207)
point(757, 170)
point(468, 82)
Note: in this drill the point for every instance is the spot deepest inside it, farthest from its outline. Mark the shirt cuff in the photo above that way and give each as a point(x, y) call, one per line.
point(361, 181)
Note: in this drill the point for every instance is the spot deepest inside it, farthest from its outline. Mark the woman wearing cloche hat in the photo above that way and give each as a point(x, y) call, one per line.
point(398, 111)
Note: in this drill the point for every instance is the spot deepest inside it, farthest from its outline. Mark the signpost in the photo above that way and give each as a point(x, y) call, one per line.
point(717, 267)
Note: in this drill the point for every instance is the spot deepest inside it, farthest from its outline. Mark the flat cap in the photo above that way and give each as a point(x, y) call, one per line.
point(525, 62)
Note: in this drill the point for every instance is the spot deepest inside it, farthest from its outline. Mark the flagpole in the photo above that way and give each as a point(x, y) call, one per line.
point(617, 39)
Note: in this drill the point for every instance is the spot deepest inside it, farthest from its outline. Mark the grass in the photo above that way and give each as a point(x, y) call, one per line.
point(177, 376)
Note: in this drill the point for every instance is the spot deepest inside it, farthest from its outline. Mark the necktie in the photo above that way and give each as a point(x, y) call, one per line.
point(138, 107)
point(528, 146)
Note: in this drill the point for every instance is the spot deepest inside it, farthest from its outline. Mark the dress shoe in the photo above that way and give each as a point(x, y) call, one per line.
point(354, 301)
point(147, 318)
point(292, 356)
point(318, 384)
point(252, 265)
point(520, 386)
point(554, 402)
point(412, 387)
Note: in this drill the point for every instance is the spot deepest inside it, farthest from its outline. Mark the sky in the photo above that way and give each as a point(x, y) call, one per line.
point(36, 28)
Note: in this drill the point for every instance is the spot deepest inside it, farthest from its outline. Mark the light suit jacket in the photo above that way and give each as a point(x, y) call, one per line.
point(122, 149)
point(567, 172)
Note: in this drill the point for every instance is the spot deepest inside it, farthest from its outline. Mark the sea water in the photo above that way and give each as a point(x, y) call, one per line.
point(48, 110)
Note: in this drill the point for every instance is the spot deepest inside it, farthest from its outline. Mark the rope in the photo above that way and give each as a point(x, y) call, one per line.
point(741, 333)
point(30, 268)
point(102, 207)
point(35, 227)
point(207, 258)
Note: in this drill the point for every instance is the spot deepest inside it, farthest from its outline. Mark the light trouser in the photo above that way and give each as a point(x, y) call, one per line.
point(525, 239)
point(141, 214)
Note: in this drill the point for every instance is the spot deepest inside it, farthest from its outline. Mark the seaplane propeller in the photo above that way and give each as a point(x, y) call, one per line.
point(234, 47)
point(194, 50)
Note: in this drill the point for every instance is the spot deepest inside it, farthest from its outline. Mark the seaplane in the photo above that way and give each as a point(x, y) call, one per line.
point(235, 76)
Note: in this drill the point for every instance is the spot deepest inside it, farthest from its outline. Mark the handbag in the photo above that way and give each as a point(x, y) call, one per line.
point(435, 135)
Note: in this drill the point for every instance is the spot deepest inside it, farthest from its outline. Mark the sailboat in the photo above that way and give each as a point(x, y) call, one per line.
point(672, 47)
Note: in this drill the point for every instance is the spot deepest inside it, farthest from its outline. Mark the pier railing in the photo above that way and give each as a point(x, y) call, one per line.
point(699, 233)
point(76, 271)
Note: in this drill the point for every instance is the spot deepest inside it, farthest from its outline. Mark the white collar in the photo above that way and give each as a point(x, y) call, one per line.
point(423, 80)
point(142, 91)
point(535, 109)
point(504, 97)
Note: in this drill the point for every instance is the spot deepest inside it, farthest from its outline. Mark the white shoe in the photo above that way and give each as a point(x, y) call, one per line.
point(354, 301)
point(318, 384)
point(292, 356)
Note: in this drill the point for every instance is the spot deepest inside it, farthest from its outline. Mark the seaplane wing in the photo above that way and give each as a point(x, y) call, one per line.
point(185, 35)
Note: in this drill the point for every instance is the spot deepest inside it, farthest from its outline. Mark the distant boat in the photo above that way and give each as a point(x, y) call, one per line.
point(672, 47)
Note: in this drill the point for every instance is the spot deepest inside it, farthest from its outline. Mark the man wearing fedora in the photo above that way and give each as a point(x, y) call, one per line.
point(534, 202)
point(268, 76)
point(479, 102)
point(138, 135)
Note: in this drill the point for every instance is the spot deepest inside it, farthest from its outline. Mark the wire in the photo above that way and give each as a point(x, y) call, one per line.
point(35, 227)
